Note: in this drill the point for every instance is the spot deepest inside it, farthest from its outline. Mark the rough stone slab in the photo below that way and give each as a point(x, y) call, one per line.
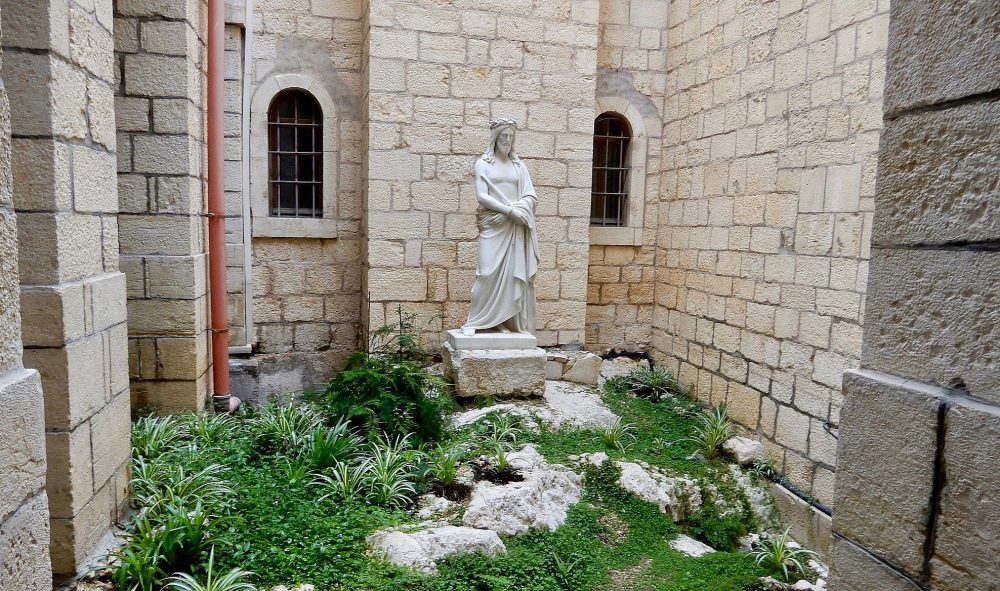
point(583, 368)
point(940, 50)
point(22, 438)
point(620, 366)
point(669, 494)
point(690, 546)
point(541, 500)
point(888, 437)
point(422, 549)
point(805, 523)
point(576, 407)
point(938, 176)
point(491, 340)
point(744, 450)
point(509, 373)
point(24, 548)
point(854, 569)
point(967, 542)
point(934, 316)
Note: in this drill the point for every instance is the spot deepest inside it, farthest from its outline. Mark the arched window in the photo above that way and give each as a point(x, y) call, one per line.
point(295, 155)
point(609, 193)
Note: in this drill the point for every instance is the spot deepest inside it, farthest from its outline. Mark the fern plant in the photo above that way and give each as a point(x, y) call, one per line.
point(655, 383)
point(713, 429)
point(777, 555)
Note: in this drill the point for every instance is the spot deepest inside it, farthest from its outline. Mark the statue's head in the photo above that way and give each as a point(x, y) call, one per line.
point(502, 132)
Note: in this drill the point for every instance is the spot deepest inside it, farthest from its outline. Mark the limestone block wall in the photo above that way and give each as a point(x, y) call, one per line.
point(631, 81)
point(236, 284)
point(437, 74)
point(160, 97)
point(917, 495)
point(769, 158)
point(306, 282)
point(24, 508)
point(59, 72)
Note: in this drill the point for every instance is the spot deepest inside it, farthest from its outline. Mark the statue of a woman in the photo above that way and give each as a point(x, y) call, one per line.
point(503, 296)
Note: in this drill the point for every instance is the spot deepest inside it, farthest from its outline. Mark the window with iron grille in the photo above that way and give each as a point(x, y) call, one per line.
point(609, 193)
point(295, 155)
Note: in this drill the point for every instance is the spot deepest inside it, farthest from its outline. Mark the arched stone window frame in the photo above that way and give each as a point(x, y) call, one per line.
point(263, 224)
point(630, 235)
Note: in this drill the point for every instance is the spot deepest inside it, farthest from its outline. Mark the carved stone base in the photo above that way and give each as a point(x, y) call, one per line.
point(502, 373)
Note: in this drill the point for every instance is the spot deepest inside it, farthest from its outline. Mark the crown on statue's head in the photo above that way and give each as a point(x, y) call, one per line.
point(502, 122)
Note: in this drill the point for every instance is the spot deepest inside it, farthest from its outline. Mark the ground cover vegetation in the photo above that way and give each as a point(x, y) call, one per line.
point(288, 493)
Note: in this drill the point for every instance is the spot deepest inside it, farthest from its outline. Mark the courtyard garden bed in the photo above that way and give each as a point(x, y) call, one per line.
point(303, 493)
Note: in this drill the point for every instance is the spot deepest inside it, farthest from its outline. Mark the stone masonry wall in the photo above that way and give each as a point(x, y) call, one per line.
point(59, 71)
point(631, 73)
point(160, 61)
point(770, 152)
point(437, 74)
point(307, 291)
point(233, 132)
point(918, 493)
point(24, 508)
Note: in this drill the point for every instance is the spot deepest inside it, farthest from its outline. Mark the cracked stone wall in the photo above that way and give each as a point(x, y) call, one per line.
point(772, 122)
point(436, 74)
point(59, 73)
point(160, 97)
point(631, 81)
point(24, 509)
point(918, 495)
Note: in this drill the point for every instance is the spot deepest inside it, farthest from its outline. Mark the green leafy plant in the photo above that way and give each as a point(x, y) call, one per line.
point(777, 555)
point(154, 436)
point(347, 484)
point(500, 461)
point(211, 430)
point(400, 340)
point(329, 447)
point(618, 435)
point(565, 568)
point(761, 470)
point(501, 428)
point(384, 395)
point(713, 429)
point(654, 383)
point(234, 580)
point(284, 427)
point(155, 483)
point(444, 463)
point(388, 473)
point(137, 567)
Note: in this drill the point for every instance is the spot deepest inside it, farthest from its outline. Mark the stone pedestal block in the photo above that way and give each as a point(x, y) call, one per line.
point(503, 373)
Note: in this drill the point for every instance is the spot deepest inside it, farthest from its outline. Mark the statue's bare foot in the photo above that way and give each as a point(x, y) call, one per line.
point(468, 331)
point(503, 329)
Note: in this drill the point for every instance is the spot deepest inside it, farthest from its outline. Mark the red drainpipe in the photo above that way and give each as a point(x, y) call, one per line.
point(217, 207)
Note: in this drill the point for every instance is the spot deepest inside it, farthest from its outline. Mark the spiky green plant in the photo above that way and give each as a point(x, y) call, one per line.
point(618, 435)
point(388, 473)
point(328, 447)
point(209, 430)
point(713, 429)
point(137, 567)
point(777, 555)
point(284, 427)
point(154, 484)
point(234, 580)
point(444, 463)
point(502, 428)
point(153, 436)
point(347, 483)
point(654, 383)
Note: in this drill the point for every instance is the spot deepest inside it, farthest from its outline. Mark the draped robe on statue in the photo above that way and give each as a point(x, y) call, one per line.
point(504, 292)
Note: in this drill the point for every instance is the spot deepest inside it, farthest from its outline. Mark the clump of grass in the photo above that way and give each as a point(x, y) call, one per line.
point(618, 435)
point(713, 429)
point(284, 427)
point(654, 383)
point(778, 555)
point(155, 436)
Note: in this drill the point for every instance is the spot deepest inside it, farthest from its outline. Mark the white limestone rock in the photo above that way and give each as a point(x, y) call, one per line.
point(582, 368)
point(761, 502)
point(620, 366)
point(504, 373)
point(595, 459)
point(744, 450)
point(802, 585)
point(541, 500)
point(690, 546)
point(431, 506)
point(528, 412)
point(424, 548)
point(576, 407)
point(664, 491)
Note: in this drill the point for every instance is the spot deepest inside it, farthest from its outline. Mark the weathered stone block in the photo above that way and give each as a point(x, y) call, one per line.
point(854, 569)
point(111, 428)
point(24, 547)
point(74, 380)
point(938, 176)
point(933, 316)
point(500, 373)
point(888, 437)
point(940, 51)
point(967, 541)
point(22, 439)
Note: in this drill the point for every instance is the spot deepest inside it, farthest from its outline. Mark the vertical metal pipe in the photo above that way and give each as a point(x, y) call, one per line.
point(217, 204)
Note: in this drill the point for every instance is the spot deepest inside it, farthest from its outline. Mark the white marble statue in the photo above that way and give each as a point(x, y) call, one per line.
point(503, 296)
